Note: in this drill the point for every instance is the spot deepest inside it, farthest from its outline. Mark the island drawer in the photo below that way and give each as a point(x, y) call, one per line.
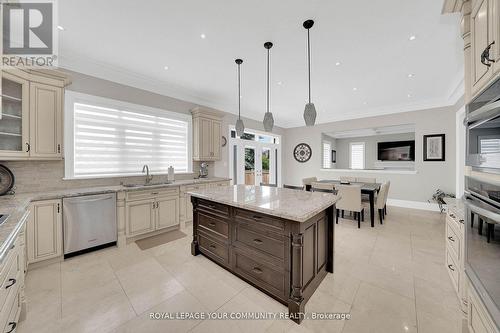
point(213, 207)
point(213, 248)
point(213, 224)
point(261, 221)
point(260, 272)
point(272, 246)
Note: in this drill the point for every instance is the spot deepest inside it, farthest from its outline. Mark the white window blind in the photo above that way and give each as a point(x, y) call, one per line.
point(117, 140)
point(489, 146)
point(327, 157)
point(357, 153)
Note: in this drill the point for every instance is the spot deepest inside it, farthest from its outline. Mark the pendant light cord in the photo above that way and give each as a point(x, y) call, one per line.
point(267, 80)
point(309, 63)
point(239, 94)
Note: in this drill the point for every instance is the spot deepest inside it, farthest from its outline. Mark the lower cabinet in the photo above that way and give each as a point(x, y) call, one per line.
point(186, 208)
point(12, 271)
point(153, 212)
point(44, 230)
point(478, 319)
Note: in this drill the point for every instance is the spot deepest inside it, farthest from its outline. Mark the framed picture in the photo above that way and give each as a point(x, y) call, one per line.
point(334, 156)
point(434, 147)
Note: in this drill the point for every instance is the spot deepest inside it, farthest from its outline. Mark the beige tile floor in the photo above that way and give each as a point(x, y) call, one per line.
point(390, 278)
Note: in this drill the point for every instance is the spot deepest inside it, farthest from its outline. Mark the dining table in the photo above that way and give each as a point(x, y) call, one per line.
point(366, 188)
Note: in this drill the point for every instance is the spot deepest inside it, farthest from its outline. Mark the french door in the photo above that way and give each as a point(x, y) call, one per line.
point(254, 163)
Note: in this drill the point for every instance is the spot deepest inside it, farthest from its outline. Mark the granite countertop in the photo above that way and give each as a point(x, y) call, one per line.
point(16, 206)
point(286, 203)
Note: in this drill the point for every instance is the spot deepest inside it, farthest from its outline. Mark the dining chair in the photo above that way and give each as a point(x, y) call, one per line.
point(366, 180)
point(268, 185)
point(308, 181)
point(293, 187)
point(322, 187)
point(347, 179)
point(380, 201)
point(386, 196)
point(350, 200)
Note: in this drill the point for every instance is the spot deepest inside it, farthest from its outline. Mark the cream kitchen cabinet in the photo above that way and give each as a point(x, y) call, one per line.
point(481, 29)
point(207, 134)
point(496, 35)
point(44, 230)
point(46, 128)
point(31, 127)
point(151, 210)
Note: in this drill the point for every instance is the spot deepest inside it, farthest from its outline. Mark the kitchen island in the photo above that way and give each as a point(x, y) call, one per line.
point(279, 240)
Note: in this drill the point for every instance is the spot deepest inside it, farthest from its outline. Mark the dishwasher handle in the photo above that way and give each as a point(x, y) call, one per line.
point(90, 198)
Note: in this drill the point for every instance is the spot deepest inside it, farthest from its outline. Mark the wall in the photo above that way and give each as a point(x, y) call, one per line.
point(420, 186)
point(370, 148)
point(34, 176)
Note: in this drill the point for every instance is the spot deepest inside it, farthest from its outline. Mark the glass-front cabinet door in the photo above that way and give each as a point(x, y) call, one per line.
point(14, 116)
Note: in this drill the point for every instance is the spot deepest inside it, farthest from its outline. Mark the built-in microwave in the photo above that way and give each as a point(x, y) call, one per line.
point(483, 130)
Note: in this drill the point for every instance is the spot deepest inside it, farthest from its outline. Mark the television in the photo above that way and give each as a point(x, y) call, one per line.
point(396, 151)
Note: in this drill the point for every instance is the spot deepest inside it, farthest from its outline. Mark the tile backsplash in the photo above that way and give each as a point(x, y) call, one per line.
point(37, 176)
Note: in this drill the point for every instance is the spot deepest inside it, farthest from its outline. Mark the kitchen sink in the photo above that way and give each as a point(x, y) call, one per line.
point(3, 218)
point(146, 185)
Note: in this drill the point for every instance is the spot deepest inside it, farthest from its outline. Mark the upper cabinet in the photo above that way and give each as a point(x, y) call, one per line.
point(31, 125)
point(481, 39)
point(207, 134)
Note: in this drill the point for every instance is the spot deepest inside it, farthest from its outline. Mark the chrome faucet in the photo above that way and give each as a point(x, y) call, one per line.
point(149, 177)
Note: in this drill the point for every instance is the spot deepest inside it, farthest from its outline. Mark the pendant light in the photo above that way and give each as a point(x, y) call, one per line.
point(310, 109)
point(268, 116)
point(240, 127)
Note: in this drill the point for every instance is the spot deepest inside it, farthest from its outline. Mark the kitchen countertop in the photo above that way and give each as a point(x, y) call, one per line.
point(16, 206)
point(289, 204)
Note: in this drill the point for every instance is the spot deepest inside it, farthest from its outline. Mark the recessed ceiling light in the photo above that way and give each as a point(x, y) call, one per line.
point(409, 95)
point(60, 27)
point(279, 83)
point(412, 37)
point(165, 68)
point(203, 36)
point(337, 63)
point(365, 103)
point(241, 96)
point(354, 89)
point(411, 75)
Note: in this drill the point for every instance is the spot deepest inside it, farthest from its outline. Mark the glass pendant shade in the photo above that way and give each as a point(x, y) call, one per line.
point(240, 127)
point(310, 114)
point(268, 122)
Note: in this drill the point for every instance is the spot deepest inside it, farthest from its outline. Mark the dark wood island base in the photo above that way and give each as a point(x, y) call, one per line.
point(285, 259)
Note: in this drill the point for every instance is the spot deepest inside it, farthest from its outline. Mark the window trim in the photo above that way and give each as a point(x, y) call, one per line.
point(350, 154)
point(72, 97)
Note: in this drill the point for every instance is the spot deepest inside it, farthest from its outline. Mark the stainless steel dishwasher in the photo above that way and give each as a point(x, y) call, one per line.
point(89, 223)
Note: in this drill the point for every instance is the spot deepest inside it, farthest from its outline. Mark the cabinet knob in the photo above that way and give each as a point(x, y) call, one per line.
point(485, 56)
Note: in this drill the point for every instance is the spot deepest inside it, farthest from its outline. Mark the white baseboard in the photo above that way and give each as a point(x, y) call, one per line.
point(413, 204)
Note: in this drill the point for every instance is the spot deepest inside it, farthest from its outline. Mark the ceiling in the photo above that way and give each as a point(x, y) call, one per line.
point(132, 41)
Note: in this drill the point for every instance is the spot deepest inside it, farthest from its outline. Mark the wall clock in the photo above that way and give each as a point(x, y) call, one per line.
point(302, 152)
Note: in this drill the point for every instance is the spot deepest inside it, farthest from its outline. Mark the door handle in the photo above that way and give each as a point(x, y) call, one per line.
point(13, 326)
point(485, 56)
point(13, 282)
point(28, 147)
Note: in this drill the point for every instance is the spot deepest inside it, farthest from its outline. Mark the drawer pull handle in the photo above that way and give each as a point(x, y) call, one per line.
point(13, 327)
point(154, 193)
point(10, 285)
point(212, 246)
point(451, 238)
point(257, 241)
point(461, 221)
point(452, 216)
point(257, 270)
point(257, 217)
point(451, 267)
point(212, 224)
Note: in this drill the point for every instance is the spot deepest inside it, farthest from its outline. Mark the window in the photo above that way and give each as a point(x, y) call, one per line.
point(105, 138)
point(489, 145)
point(327, 150)
point(357, 155)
